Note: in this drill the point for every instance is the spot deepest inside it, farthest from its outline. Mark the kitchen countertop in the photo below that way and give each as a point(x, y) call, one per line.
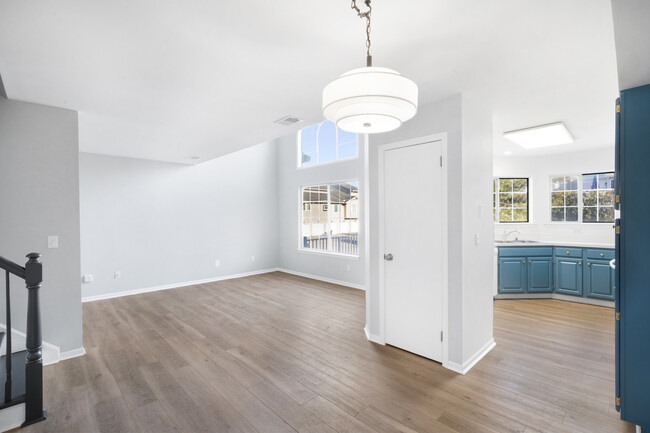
point(552, 244)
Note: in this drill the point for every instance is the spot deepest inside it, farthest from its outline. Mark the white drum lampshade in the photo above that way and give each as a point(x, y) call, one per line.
point(370, 100)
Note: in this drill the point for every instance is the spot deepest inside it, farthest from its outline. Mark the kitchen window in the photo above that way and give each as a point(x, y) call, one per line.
point(598, 197)
point(564, 198)
point(323, 143)
point(586, 198)
point(330, 220)
point(510, 200)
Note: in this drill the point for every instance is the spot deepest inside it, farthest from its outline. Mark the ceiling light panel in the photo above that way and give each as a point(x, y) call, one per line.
point(554, 134)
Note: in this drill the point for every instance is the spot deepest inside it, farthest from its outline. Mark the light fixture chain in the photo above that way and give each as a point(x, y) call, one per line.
point(365, 15)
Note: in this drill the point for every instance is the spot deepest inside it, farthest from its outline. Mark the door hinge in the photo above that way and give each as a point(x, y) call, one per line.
point(618, 108)
point(618, 230)
point(498, 262)
point(441, 161)
point(440, 335)
point(553, 286)
point(618, 198)
point(553, 261)
point(618, 401)
point(618, 316)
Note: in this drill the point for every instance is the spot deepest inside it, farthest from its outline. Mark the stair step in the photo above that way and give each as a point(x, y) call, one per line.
point(18, 361)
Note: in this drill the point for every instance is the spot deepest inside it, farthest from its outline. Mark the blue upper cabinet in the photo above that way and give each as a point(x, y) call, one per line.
point(568, 276)
point(633, 256)
point(599, 280)
point(512, 275)
point(540, 274)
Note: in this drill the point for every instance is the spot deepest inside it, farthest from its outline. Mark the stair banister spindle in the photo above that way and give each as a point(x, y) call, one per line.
point(8, 336)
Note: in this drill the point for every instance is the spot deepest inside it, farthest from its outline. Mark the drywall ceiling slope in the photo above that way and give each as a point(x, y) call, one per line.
point(632, 34)
point(168, 80)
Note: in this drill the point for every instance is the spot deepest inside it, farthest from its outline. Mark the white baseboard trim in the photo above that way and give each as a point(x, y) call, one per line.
point(472, 361)
point(74, 353)
point(174, 285)
point(373, 338)
point(324, 279)
point(558, 296)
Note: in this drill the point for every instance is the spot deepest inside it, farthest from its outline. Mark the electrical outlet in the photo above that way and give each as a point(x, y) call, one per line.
point(477, 239)
point(117, 275)
point(53, 242)
point(87, 278)
point(217, 263)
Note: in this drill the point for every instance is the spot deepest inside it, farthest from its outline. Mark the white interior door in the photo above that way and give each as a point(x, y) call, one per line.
point(412, 226)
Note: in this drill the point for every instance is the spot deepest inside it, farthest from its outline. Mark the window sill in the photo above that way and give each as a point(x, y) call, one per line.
point(328, 254)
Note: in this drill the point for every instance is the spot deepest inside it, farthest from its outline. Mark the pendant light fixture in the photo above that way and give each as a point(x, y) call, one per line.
point(371, 99)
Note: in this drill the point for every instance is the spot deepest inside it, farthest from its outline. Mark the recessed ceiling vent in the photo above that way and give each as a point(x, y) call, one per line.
point(288, 121)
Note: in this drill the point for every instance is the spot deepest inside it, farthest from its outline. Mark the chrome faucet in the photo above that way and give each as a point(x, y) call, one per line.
point(509, 232)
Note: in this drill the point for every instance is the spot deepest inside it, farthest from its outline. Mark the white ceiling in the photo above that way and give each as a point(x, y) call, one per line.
point(166, 80)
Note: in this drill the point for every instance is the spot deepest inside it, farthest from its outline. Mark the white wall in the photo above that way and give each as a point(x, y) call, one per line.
point(290, 180)
point(469, 163)
point(539, 169)
point(39, 174)
point(162, 223)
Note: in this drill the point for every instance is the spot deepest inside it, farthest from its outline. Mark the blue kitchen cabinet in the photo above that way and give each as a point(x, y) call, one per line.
point(540, 274)
point(568, 276)
point(512, 275)
point(598, 280)
point(633, 256)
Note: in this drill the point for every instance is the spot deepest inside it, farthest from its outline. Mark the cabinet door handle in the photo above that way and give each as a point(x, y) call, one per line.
point(602, 254)
point(588, 264)
point(568, 252)
point(530, 261)
point(523, 261)
point(580, 263)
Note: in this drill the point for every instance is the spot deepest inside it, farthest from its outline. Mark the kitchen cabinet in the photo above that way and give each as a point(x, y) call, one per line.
point(568, 276)
point(580, 272)
point(525, 270)
point(598, 280)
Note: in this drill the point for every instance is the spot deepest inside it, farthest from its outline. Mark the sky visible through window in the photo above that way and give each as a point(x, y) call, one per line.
point(325, 142)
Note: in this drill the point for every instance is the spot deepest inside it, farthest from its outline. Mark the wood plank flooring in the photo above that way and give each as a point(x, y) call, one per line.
point(279, 353)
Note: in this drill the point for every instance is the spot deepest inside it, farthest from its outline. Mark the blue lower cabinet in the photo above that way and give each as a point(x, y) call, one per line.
point(599, 280)
point(568, 276)
point(540, 274)
point(512, 275)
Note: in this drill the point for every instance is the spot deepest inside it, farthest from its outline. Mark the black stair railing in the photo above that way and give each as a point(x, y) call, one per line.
point(32, 273)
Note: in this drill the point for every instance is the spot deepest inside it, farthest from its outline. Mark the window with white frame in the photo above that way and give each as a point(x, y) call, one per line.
point(564, 198)
point(324, 143)
point(330, 218)
point(598, 197)
point(510, 200)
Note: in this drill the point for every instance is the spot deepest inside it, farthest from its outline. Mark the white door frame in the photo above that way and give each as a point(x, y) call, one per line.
point(442, 138)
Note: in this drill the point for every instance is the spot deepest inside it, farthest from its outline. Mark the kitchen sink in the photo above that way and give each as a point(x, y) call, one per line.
point(514, 241)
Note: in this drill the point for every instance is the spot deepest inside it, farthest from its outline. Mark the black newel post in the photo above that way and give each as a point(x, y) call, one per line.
point(34, 367)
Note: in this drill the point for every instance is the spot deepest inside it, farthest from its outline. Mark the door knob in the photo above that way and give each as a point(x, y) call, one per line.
point(388, 257)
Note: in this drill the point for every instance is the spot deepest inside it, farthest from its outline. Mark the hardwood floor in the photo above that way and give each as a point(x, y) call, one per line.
point(279, 353)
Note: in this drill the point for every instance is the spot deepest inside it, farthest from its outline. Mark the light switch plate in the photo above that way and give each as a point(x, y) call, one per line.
point(53, 242)
point(87, 278)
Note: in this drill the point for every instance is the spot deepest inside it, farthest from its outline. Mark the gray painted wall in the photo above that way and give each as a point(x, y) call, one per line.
point(162, 223)
point(39, 174)
point(290, 180)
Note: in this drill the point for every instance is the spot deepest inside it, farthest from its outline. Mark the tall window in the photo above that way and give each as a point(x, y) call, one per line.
point(510, 197)
point(325, 142)
point(330, 218)
point(598, 198)
point(564, 198)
